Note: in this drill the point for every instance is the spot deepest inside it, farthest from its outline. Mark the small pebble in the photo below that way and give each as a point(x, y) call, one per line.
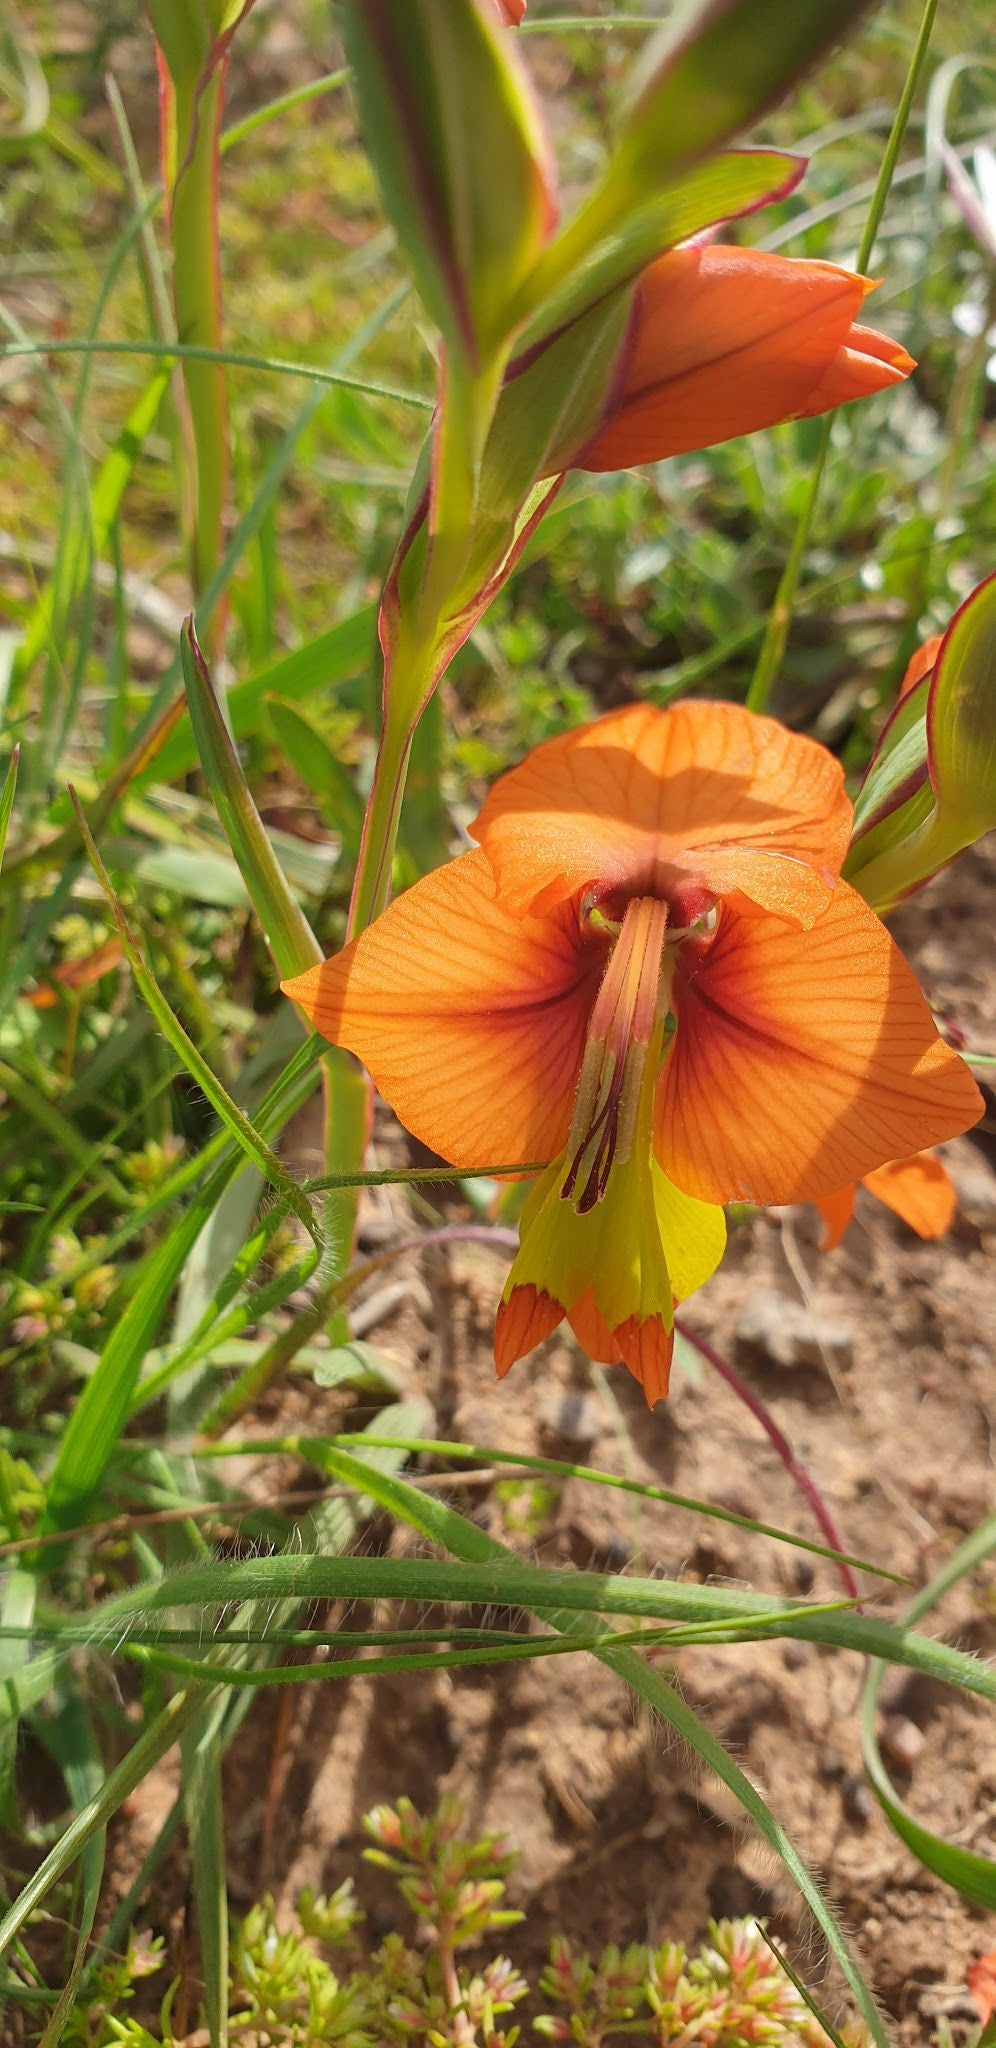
point(976, 1188)
point(902, 1742)
point(790, 1334)
point(857, 1801)
point(574, 1418)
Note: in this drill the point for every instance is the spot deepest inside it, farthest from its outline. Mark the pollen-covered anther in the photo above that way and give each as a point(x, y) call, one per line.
point(631, 999)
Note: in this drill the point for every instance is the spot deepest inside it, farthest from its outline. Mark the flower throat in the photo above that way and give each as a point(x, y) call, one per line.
point(631, 1000)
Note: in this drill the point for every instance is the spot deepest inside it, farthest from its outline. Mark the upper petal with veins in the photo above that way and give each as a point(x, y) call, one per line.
point(688, 802)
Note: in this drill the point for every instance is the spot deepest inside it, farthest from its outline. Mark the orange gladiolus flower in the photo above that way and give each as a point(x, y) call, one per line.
point(724, 341)
point(918, 1190)
point(511, 11)
point(646, 975)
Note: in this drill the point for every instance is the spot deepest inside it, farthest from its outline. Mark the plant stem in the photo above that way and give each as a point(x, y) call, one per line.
point(797, 1471)
point(769, 660)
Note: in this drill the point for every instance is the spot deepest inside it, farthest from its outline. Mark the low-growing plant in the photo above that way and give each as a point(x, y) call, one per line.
point(429, 1987)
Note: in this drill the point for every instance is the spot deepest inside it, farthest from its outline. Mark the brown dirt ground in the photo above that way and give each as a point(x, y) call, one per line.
point(622, 1837)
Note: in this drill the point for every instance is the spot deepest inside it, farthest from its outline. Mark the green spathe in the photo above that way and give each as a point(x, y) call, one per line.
point(931, 789)
point(460, 153)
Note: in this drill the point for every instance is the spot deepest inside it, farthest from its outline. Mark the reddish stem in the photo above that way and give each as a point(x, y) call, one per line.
point(801, 1478)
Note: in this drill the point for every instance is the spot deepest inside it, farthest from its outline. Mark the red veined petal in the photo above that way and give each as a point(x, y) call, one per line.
point(645, 1345)
point(801, 1060)
point(726, 341)
point(592, 1331)
point(522, 1322)
point(696, 797)
point(919, 1190)
point(648, 1348)
point(471, 1019)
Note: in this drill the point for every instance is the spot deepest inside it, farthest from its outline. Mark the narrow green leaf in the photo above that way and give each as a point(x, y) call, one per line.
point(608, 242)
point(967, 1871)
point(17, 1609)
point(931, 787)
point(105, 504)
point(157, 1738)
point(200, 1752)
point(7, 798)
point(285, 927)
point(71, 1739)
point(509, 1582)
point(234, 1119)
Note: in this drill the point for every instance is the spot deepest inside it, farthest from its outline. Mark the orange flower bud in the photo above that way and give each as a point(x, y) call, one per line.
point(725, 341)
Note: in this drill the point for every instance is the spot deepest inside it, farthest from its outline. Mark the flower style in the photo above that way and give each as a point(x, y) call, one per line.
point(724, 341)
point(648, 975)
point(919, 1191)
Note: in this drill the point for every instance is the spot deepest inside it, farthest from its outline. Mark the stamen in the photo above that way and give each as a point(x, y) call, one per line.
point(631, 999)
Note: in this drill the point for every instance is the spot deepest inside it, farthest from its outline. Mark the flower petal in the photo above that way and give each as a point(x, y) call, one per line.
point(726, 341)
point(920, 663)
point(662, 802)
point(836, 1211)
point(801, 1059)
point(471, 1019)
point(866, 363)
point(919, 1190)
point(646, 1347)
point(523, 1320)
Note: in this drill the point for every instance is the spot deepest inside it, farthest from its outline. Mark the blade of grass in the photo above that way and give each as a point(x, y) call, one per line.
point(73, 1742)
point(776, 634)
point(965, 1870)
point(201, 1752)
point(313, 1449)
point(157, 1739)
point(7, 798)
point(503, 1580)
point(183, 352)
point(235, 1121)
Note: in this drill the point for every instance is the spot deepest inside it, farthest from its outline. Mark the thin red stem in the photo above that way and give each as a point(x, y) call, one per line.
point(801, 1478)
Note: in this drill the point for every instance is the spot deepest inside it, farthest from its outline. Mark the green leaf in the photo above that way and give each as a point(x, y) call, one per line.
point(17, 1609)
point(458, 146)
point(201, 1753)
point(961, 718)
point(234, 1119)
point(931, 787)
point(48, 615)
point(513, 1583)
point(711, 73)
point(965, 1870)
point(285, 927)
point(897, 770)
point(7, 799)
point(613, 237)
point(156, 1740)
point(70, 1737)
